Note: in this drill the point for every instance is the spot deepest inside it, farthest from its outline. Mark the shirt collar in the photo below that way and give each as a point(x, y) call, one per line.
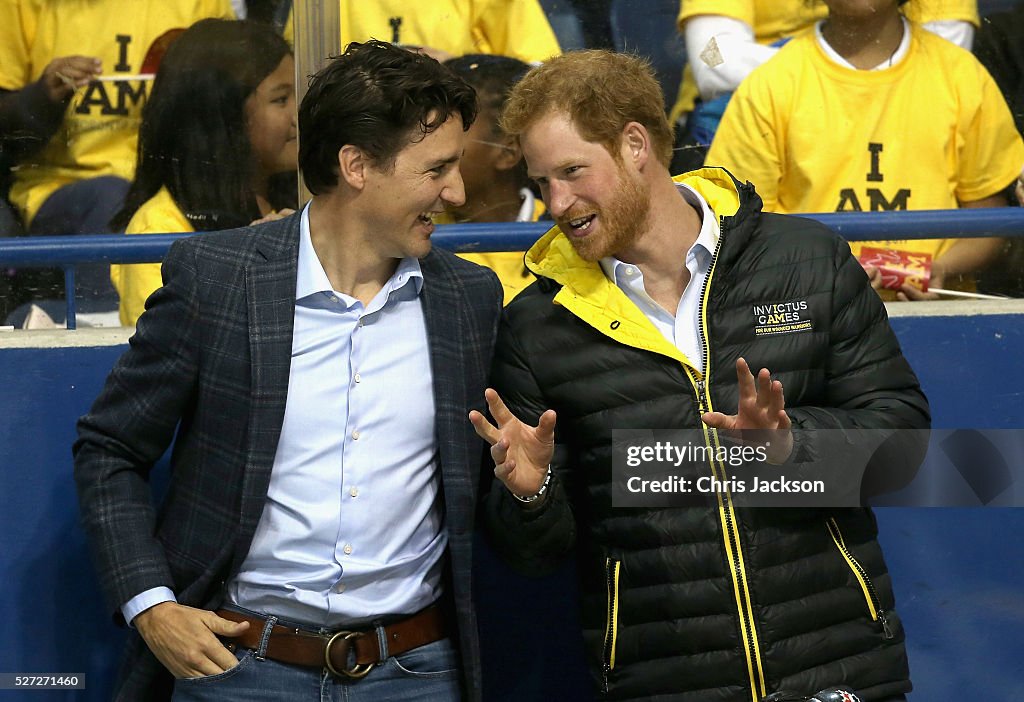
point(704, 246)
point(312, 279)
point(526, 209)
point(896, 57)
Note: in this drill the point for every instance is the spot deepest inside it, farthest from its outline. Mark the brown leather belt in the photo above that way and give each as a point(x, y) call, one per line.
point(297, 647)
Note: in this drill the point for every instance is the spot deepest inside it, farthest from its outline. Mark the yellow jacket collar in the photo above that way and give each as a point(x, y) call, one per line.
point(553, 256)
point(586, 291)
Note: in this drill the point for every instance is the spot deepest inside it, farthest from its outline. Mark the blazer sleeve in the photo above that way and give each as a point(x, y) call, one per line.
point(129, 427)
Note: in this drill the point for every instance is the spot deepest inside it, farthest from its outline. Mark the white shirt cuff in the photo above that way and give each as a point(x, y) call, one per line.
point(143, 601)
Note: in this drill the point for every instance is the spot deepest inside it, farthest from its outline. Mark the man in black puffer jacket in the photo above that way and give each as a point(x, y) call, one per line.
point(648, 308)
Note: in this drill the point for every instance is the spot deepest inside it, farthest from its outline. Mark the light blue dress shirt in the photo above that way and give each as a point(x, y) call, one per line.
point(353, 523)
point(683, 328)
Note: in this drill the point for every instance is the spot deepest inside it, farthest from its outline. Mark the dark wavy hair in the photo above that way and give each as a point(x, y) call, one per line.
point(375, 96)
point(193, 139)
point(492, 77)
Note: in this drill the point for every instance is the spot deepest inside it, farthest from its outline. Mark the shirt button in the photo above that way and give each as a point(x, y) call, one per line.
point(348, 549)
point(354, 492)
point(333, 298)
point(630, 270)
point(339, 588)
point(358, 378)
point(355, 435)
point(360, 323)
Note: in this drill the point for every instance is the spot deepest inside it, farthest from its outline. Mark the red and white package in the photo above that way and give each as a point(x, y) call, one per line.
point(898, 267)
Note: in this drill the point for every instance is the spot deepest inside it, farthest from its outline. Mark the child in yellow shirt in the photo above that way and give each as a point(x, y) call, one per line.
point(219, 126)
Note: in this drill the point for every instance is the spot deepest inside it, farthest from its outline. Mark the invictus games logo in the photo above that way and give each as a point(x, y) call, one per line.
point(781, 318)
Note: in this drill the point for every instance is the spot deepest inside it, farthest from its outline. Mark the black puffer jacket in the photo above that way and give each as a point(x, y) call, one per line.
point(713, 603)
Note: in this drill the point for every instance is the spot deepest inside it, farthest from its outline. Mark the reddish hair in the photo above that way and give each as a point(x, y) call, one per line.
point(600, 91)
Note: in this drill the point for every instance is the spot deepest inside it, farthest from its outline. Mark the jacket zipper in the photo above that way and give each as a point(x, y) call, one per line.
point(705, 355)
point(611, 630)
point(730, 527)
point(867, 587)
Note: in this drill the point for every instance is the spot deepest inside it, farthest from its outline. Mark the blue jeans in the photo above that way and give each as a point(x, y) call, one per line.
point(83, 207)
point(430, 673)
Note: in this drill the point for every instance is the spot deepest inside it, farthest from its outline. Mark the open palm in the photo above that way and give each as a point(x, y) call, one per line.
point(521, 453)
point(761, 415)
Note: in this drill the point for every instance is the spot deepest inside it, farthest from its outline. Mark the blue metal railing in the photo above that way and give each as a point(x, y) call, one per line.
point(68, 251)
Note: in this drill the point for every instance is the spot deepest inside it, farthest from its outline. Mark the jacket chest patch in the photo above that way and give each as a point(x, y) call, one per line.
point(782, 318)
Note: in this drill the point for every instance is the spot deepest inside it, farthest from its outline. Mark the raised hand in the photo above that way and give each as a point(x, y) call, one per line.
point(185, 639)
point(521, 453)
point(761, 417)
point(64, 75)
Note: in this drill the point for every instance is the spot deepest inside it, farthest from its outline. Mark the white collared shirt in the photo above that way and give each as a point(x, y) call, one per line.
point(683, 328)
point(352, 527)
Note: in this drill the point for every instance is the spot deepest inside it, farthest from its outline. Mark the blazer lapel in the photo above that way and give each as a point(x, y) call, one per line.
point(441, 304)
point(270, 294)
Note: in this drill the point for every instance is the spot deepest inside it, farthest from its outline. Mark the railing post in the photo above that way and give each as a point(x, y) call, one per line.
point(70, 321)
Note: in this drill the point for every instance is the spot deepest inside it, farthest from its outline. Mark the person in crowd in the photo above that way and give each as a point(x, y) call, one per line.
point(641, 319)
point(97, 137)
point(77, 180)
point(823, 127)
point(28, 118)
point(1000, 51)
point(727, 39)
point(314, 373)
point(448, 28)
point(493, 169)
point(32, 114)
point(218, 127)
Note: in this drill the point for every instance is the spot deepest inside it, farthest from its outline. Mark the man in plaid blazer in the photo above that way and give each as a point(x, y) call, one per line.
point(213, 365)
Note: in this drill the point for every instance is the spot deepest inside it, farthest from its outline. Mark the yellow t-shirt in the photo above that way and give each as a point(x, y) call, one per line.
point(814, 136)
point(136, 282)
point(517, 28)
point(772, 20)
point(507, 265)
point(99, 132)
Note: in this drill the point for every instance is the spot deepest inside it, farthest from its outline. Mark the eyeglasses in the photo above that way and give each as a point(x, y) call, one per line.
point(492, 143)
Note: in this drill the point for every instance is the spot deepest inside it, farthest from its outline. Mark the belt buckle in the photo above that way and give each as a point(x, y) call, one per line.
point(357, 670)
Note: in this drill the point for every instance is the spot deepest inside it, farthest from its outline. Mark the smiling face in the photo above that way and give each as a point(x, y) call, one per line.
point(423, 180)
point(270, 119)
point(598, 201)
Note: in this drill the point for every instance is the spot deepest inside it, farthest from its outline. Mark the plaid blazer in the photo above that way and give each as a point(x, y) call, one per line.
point(208, 366)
